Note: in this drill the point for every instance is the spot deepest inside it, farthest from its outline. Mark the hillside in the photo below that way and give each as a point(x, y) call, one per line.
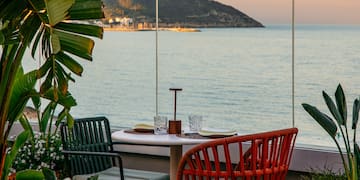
point(184, 13)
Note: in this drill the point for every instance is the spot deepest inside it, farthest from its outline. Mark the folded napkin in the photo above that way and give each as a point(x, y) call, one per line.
point(143, 126)
point(217, 132)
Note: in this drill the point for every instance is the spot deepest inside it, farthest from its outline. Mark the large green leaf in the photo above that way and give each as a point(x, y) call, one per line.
point(36, 101)
point(25, 124)
point(85, 29)
point(332, 108)
point(30, 174)
point(45, 68)
point(341, 103)
point(46, 115)
point(325, 121)
point(75, 44)
point(86, 9)
point(356, 108)
point(58, 10)
point(61, 116)
point(22, 90)
point(65, 100)
point(70, 120)
point(19, 142)
point(69, 62)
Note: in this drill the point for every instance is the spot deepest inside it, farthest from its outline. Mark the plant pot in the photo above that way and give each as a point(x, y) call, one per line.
point(174, 126)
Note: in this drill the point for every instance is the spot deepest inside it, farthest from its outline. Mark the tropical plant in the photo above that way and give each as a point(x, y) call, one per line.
point(55, 29)
point(351, 161)
point(43, 148)
point(325, 173)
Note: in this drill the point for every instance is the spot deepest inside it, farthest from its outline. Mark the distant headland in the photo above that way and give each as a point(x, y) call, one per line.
point(174, 15)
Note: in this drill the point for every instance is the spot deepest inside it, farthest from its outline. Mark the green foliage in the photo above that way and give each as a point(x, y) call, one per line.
point(43, 26)
point(38, 153)
point(30, 175)
point(325, 174)
point(351, 161)
point(19, 142)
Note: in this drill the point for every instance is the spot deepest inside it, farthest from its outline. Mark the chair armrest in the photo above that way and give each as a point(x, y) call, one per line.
point(92, 153)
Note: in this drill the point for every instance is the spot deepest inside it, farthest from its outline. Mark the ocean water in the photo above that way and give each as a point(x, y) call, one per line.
point(236, 78)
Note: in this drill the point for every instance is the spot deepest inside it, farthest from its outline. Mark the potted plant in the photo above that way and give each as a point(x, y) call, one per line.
point(43, 147)
point(351, 160)
point(49, 25)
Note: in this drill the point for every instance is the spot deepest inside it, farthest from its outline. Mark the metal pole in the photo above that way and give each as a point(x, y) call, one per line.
point(157, 57)
point(293, 61)
point(175, 97)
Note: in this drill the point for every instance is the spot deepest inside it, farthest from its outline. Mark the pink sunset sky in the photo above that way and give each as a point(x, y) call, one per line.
point(307, 11)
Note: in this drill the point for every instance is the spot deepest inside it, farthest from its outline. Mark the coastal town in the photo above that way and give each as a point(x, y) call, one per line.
point(127, 24)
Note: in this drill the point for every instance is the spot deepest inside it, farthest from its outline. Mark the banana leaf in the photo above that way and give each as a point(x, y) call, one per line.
point(66, 100)
point(46, 115)
point(23, 89)
point(325, 121)
point(356, 108)
point(332, 108)
point(69, 63)
point(341, 103)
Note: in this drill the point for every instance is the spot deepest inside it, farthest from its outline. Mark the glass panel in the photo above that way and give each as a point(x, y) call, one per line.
point(234, 77)
point(120, 82)
point(325, 57)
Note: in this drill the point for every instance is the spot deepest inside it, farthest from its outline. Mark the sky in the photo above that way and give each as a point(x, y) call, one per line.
point(306, 11)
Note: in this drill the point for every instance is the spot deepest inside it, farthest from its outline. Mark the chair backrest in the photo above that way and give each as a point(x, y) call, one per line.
point(257, 156)
point(87, 134)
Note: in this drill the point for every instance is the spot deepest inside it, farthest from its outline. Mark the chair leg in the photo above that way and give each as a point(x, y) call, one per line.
point(121, 168)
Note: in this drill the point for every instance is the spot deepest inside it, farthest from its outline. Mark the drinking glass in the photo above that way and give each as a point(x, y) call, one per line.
point(160, 125)
point(195, 123)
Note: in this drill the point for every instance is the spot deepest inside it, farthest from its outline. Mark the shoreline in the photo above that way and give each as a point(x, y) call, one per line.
point(126, 29)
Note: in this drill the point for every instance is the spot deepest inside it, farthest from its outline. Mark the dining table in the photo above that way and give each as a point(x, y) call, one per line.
point(174, 141)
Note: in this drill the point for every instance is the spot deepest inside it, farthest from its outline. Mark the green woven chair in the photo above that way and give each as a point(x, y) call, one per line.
point(88, 151)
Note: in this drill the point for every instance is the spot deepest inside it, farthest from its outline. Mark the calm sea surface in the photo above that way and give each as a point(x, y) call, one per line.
point(234, 77)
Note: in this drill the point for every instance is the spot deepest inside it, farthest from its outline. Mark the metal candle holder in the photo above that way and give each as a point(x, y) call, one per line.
point(175, 125)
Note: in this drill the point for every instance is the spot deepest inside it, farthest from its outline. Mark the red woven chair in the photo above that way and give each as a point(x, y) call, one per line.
point(257, 156)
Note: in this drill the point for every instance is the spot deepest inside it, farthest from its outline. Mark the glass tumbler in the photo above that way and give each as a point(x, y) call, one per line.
point(195, 123)
point(160, 125)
